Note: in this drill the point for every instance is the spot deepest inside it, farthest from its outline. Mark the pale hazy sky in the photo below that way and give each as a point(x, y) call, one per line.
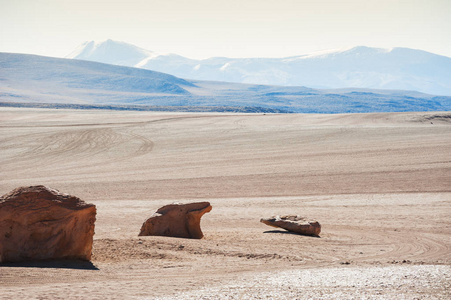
point(233, 28)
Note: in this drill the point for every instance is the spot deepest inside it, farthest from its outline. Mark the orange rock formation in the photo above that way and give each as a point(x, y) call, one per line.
point(177, 220)
point(38, 223)
point(295, 224)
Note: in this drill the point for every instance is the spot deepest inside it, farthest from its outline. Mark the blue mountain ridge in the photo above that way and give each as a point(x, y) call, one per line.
point(37, 79)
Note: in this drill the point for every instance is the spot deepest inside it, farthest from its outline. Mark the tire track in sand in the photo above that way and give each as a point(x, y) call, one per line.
point(390, 246)
point(78, 144)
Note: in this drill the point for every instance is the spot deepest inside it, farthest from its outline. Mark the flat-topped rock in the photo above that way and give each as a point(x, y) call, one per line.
point(294, 223)
point(39, 223)
point(177, 220)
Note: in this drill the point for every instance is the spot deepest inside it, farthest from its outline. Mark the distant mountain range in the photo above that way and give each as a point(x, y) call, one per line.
point(56, 82)
point(359, 67)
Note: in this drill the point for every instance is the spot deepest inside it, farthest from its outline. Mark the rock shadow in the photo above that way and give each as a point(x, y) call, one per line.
point(57, 264)
point(292, 233)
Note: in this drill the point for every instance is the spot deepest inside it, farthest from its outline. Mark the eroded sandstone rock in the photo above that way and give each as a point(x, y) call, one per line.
point(295, 224)
point(38, 223)
point(177, 220)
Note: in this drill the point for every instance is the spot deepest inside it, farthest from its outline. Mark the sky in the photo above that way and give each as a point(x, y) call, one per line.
point(231, 28)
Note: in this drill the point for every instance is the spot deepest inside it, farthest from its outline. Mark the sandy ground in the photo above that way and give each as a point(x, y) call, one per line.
point(379, 184)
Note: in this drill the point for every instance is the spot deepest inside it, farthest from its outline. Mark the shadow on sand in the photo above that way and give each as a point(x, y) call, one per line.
point(288, 232)
point(57, 264)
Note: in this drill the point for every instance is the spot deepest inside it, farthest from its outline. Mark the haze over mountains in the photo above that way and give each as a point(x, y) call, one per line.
point(26, 79)
point(359, 67)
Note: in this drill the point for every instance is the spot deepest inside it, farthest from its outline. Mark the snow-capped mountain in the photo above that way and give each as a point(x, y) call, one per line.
point(359, 67)
point(56, 82)
point(111, 52)
point(123, 54)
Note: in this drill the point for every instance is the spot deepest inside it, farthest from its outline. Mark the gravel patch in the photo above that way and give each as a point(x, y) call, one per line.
point(392, 282)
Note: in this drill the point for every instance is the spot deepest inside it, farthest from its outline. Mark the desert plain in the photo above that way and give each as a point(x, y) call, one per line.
point(379, 184)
